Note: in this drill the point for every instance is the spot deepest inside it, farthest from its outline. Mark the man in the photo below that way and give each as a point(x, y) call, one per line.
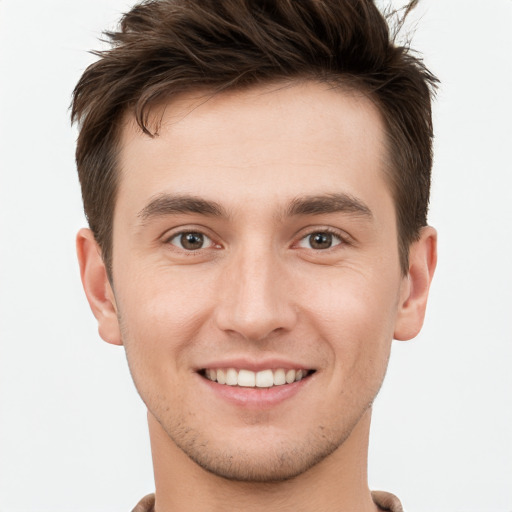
point(256, 179)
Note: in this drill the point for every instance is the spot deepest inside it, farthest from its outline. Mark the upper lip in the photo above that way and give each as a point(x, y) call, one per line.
point(255, 365)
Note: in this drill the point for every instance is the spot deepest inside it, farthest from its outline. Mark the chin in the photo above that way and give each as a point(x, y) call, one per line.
point(262, 460)
point(243, 467)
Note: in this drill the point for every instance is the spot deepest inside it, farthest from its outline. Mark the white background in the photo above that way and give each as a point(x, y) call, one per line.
point(73, 433)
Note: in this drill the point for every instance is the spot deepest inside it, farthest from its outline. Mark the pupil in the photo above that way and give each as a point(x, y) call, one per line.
point(192, 240)
point(321, 240)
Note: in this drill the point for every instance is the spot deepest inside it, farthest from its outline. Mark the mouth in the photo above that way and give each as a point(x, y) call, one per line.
point(244, 378)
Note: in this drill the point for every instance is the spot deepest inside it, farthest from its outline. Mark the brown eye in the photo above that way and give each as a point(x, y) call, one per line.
point(320, 240)
point(190, 241)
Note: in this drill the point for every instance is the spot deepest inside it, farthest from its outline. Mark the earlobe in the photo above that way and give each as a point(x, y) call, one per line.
point(97, 287)
point(416, 285)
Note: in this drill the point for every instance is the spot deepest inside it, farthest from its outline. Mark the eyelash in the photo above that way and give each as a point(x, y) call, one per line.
point(170, 238)
point(343, 239)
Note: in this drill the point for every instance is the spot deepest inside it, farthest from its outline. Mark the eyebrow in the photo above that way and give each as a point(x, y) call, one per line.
point(166, 204)
point(329, 203)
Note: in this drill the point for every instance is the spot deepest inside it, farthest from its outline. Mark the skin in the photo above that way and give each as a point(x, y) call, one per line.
point(258, 292)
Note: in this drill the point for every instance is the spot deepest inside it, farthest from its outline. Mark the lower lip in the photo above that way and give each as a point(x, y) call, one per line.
point(257, 398)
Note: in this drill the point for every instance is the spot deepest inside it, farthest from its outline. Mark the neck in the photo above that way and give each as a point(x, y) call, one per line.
point(337, 484)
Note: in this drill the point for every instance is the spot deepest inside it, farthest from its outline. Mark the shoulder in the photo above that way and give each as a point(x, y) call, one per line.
point(384, 500)
point(387, 501)
point(146, 504)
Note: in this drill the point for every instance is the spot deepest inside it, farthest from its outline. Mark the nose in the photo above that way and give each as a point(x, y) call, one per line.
point(256, 299)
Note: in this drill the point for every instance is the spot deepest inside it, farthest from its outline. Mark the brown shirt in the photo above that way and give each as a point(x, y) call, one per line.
point(384, 500)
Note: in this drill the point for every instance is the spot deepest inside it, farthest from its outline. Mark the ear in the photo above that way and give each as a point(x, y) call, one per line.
point(415, 286)
point(97, 286)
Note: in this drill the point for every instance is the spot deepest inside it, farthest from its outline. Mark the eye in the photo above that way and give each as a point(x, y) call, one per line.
point(191, 241)
point(320, 240)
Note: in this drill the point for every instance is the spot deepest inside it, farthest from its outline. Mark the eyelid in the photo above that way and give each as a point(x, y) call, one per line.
point(206, 239)
point(345, 238)
point(169, 235)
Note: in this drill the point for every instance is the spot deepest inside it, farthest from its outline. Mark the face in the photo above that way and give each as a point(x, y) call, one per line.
point(256, 274)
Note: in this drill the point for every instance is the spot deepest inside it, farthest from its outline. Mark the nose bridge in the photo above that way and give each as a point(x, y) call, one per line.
point(256, 301)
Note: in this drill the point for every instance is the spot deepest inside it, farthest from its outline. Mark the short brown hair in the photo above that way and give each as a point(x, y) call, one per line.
point(167, 47)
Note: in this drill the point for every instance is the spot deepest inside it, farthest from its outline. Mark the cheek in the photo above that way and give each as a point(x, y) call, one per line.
point(158, 324)
point(354, 312)
point(160, 313)
point(352, 299)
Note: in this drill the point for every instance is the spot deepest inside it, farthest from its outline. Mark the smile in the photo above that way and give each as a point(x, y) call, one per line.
point(249, 379)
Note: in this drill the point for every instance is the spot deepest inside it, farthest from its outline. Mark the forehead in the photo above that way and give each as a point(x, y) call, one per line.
point(255, 146)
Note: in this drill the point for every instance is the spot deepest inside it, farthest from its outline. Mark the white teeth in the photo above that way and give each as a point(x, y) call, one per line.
point(250, 379)
point(231, 377)
point(221, 376)
point(246, 378)
point(264, 379)
point(290, 376)
point(279, 377)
